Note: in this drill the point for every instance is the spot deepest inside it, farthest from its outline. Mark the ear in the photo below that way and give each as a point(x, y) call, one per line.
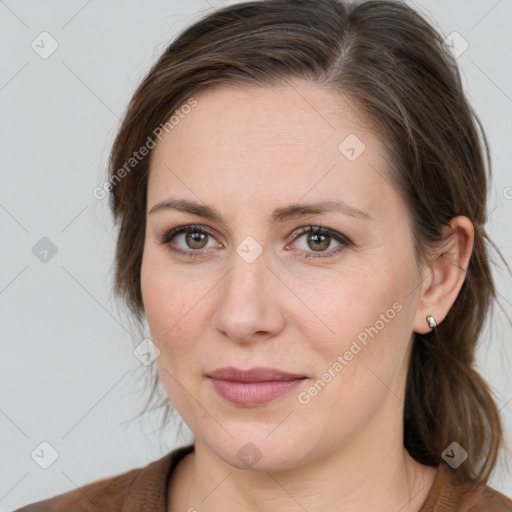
point(445, 273)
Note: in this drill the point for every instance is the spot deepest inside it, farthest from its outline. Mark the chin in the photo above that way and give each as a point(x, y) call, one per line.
point(251, 449)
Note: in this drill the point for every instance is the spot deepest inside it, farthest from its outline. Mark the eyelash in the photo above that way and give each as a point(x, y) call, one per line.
point(167, 237)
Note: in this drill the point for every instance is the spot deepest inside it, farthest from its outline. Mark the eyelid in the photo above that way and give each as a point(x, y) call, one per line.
point(169, 235)
point(343, 240)
point(319, 229)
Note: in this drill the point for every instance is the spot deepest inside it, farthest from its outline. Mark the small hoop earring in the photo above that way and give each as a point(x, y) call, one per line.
point(431, 321)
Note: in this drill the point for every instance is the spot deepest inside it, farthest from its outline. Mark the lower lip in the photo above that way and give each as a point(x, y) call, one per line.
point(250, 394)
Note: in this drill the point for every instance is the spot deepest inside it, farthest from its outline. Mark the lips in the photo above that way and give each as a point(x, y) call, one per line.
point(258, 374)
point(254, 387)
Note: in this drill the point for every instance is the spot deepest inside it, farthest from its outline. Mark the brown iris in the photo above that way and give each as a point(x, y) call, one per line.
point(320, 241)
point(195, 239)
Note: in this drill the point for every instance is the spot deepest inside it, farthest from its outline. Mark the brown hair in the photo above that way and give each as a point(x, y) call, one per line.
point(392, 64)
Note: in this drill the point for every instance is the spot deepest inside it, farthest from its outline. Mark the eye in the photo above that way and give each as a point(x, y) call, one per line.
point(193, 239)
point(190, 241)
point(319, 239)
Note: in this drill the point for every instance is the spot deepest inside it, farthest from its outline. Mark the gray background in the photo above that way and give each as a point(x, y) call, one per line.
point(68, 375)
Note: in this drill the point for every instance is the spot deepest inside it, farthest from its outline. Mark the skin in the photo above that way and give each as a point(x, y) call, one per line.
point(246, 151)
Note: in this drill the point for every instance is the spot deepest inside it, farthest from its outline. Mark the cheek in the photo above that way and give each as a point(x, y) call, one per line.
point(365, 330)
point(175, 304)
point(164, 297)
point(174, 323)
point(356, 367)
point(341, 306)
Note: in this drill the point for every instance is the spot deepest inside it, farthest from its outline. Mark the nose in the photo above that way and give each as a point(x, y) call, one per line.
point(248, 307)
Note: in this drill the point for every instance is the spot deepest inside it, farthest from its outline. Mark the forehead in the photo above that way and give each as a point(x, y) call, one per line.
point(286, 115)
point(253, 143)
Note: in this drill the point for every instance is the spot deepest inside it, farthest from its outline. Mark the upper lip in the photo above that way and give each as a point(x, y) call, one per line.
point(258, 374)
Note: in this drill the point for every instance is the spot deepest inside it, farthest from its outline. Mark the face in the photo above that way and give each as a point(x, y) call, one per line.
point(325, 293)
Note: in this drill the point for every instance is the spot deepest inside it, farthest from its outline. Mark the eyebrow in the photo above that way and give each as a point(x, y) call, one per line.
point(278, 215)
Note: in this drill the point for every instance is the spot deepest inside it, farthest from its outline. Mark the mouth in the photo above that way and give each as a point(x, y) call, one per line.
point(254, 387)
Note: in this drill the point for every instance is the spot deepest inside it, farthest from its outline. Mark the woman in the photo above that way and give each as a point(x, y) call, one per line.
point(300, 192)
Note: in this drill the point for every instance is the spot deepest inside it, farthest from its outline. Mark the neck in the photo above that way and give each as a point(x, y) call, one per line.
point(369, 472)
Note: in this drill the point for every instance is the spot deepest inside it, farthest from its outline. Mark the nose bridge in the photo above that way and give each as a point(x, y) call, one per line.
point(247, 302)
point(246, 279)
point(248, 265)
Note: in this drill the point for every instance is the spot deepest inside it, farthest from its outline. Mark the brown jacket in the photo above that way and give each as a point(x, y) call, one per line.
point(144, 489)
